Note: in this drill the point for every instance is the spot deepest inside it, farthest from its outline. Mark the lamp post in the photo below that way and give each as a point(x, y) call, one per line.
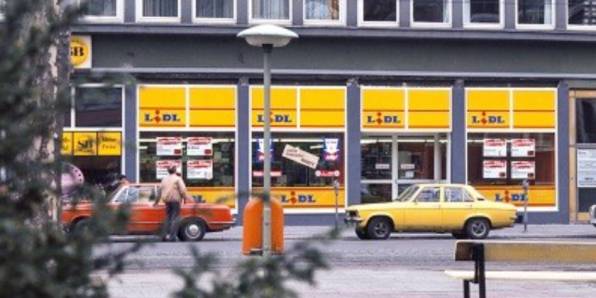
point(267, 36)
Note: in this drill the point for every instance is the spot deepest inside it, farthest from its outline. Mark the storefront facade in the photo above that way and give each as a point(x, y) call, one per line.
point(373, 104)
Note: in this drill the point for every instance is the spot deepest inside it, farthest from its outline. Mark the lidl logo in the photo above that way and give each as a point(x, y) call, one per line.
point(298, 199)
point(158, 117)
point(276, 118)
point(510, 197)
point(487, 119)
point(381, 119)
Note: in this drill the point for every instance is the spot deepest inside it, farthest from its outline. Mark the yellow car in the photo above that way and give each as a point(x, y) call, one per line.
point(455, 208)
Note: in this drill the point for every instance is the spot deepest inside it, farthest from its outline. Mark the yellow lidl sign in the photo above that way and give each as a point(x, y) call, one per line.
point(80, 51)
point(307, 197)
point(539, 195)
point(406, 108)
point(511, 108)
point(214, 195)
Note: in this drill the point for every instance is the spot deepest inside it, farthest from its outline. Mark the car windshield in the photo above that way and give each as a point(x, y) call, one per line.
point(407, 194)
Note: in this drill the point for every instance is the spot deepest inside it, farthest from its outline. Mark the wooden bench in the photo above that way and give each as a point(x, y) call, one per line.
point(522, 251)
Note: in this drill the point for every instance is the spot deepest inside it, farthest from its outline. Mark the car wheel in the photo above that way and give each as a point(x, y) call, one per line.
point(192, 230)
point(361, 233)
point(477, 228)
point(459, 235)
point(379, 228)
point(80, 226)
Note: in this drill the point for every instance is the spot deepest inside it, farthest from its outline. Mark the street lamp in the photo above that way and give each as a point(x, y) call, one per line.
point(267, 36)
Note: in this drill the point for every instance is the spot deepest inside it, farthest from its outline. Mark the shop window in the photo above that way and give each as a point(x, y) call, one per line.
point(581, 13)
point(98, 107)
point(97, 170)
point(431, 12)
point(375, 193)
point(535, 13)
point(586, 120)
point(276, 10)
point(323, 11)
point(510, 158)
point(286, 172)
point(204, 158)
point(483, 13)
point(376, 159)
point(158, 10)
point(214, 9)
point(416, 158)
point(378, 12)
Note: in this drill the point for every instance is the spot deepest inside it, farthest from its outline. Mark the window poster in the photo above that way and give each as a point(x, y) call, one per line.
point(169, 146)
point(162, 166)
point(523, 147)
point(494, 148)
point(327, 173)
point(199, 146)
point(494, 169)
point(261, 149)
point(331, 149)
point(199, 169)
point(523, 169)
point(586, 167)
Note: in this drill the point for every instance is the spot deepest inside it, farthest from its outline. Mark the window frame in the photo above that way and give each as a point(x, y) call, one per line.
point(364, 23)
point(139, 18)
point(550, 26)
point(118, 18)
point(447, 24)
point(472, 25)
point(216, 21)
point(341, 21)
point(576, 27)
point(253, 20)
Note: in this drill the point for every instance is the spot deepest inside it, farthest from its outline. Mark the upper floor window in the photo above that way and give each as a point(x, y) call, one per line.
point(431, 13)
point(324, 12)
point(95, 107)
point(158, 10)
point(535, 14)
point(581, 14)
point(216, 11)
point(102, 10)
point(377, 12)
point(483, 13)
point(277, 11)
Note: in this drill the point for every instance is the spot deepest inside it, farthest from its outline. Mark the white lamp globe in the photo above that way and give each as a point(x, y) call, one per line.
point(267, 34)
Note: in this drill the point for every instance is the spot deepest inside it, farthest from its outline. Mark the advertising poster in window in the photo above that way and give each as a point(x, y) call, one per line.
point(261, 149)
point(162, 166)
point(586, 168)
point(523, 169)
point(523, 147)
point(300, 156)
point(169, 146)
point(494, 148)
point(494, 169)
point(331, 149)
point(199, 169)
point(199, 146)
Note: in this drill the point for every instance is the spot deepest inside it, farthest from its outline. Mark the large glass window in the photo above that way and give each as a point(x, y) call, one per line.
point(322, 10)
point(271, 9)
point(535, 12)
point(376, 158)
point(581, 12)
point(98, 107)
point(214, 9)
point(100, 8)
point(482, 12)
point(416, 158)
point(203, 158)
point(327, 147)
point(586, 120)
point(430, 11)
point(510, 158)
point(376, 11)
point(160, 8)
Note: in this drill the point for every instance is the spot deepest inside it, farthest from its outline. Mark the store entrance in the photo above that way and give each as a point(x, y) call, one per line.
point(583, 194)
point(391, 163)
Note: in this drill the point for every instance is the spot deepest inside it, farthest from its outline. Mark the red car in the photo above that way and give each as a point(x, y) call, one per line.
point(196, 219)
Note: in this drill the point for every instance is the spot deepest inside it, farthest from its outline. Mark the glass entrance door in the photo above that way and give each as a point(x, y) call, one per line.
point(392, 163)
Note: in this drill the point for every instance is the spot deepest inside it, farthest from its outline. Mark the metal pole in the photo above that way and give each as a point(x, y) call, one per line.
point(526, 185)
point(336, 191)
point(267, 49)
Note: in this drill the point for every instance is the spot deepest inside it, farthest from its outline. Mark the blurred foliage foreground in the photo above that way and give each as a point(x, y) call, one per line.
point(37, 258)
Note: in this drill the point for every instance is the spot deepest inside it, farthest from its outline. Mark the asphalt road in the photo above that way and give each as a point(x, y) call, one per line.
point(406, 265)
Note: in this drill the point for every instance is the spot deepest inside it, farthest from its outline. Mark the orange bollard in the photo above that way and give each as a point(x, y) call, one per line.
point(252, 242)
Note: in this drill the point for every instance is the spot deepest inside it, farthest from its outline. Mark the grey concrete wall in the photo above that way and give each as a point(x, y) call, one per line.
point(349, 55)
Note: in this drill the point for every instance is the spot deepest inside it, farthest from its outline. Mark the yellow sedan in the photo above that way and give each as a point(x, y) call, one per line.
point(455, 208)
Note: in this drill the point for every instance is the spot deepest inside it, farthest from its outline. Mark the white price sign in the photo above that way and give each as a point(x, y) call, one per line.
point(199, 169)
point(523, 148)
point(586, 168)
point(169, 146)
point(199, 146)
point(300, 156)
point(494, 148)
point(523, 169)
point(494, 169)
point(162, 166)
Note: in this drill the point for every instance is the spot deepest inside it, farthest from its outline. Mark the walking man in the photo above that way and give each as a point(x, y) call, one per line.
point(173, 192)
